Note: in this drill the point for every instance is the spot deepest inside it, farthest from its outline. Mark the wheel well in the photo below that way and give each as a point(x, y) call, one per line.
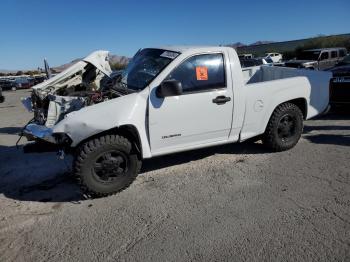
point(301, 103)
point(128, 131)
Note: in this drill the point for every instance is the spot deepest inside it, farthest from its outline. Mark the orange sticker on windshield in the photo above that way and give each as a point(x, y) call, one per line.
point(202, 72)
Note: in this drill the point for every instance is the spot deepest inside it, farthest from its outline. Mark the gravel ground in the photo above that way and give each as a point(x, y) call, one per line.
point(229, 203)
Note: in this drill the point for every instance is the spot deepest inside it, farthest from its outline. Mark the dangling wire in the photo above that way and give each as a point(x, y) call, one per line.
point(21, 134)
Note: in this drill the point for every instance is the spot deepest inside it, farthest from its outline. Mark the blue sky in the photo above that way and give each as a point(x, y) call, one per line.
point(64, 30)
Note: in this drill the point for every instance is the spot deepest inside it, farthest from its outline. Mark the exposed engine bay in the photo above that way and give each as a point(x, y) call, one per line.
point(86, 83)
point(53, 107)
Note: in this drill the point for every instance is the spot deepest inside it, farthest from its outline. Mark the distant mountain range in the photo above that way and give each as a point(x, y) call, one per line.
point(113, 59)
point(261, 47)
point(7, 71)
point(239, 44)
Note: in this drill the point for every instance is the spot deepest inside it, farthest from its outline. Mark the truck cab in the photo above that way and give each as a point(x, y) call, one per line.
point(167, 100)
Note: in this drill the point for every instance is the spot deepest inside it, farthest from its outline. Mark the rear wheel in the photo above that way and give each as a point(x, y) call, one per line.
point(106, 165)
point(284, 128)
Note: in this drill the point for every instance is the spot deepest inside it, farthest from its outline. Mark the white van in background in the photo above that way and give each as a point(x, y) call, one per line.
point(276, 57)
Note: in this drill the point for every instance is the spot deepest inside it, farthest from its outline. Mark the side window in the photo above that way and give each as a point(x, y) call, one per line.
point(200, 72)
point(324, 56)
point(334, 54)
point(341, 53)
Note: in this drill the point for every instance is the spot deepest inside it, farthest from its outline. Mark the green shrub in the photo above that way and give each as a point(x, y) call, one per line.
point(117, 66)
point(319, 42)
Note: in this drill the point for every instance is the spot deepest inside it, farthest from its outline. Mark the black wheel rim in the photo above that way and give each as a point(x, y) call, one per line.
point(286, 128)
point(110, 166)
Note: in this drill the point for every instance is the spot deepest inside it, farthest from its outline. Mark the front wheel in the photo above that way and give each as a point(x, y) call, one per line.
point(284, 128)
point(106, 165)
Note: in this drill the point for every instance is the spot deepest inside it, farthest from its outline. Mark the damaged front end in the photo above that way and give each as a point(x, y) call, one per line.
point(88, 82)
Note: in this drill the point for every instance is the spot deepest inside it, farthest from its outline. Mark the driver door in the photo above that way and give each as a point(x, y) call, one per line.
point(202, 114)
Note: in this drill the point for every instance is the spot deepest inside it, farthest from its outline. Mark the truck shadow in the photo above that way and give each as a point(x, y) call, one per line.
point(41, 177)
point(247, 147)
point(10, 130)
point(327, 134)
point(309, 128)
point(36, 177)
point(336, 113)
point(330, 139)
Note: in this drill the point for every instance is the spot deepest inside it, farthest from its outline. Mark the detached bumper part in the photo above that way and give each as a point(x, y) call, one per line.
point(27, 103)
point(33, 131)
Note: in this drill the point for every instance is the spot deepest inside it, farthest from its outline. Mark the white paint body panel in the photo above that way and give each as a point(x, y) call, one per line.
point(192, 119)
point(254, 96)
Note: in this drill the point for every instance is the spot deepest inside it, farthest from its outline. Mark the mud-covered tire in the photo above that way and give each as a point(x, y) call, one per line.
point(286, 117)
point(106, 165)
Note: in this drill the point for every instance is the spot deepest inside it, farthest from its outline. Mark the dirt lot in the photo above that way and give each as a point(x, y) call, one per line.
point(235, 202)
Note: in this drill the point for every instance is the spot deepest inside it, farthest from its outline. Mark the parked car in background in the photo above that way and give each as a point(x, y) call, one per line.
point(276, 57)
point(39, 79)
point(2, 98)
point(22, 83)
point(7, 84)
point(31, 81)
point(318, 59)
point(256, 62)
point(340, 83)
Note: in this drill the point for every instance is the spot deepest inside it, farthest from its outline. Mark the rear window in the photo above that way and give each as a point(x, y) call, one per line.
point(334, 54)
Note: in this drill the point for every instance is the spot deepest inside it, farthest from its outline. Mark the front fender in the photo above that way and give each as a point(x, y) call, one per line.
point(92, 120)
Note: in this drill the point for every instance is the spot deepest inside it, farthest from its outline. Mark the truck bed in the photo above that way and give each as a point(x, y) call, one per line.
point(259, 74)
point(267, 85)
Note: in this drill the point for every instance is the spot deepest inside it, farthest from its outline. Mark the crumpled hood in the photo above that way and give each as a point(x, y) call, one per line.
point(99, 59)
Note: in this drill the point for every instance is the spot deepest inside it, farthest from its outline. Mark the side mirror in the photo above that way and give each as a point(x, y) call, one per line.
point(169, 88)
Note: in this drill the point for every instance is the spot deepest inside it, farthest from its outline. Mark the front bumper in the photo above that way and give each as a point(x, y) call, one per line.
point(35, 131)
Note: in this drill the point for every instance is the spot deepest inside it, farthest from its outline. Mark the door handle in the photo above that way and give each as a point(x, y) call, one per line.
point(220, 100)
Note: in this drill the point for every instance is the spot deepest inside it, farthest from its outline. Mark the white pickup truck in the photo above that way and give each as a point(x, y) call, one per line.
point(168, 100)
